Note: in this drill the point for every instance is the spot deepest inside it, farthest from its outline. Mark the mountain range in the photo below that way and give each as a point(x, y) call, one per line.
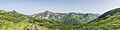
point(72, 18)
point(12, 20)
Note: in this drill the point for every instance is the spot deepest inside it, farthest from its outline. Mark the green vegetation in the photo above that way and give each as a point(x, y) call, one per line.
point(12, 20)
point(108, 21)
point(69, 19)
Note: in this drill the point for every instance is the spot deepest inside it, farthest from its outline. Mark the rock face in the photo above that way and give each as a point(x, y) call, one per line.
point(67, 18)
point(58, 16)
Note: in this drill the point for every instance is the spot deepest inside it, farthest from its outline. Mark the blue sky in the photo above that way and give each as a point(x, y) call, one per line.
point(62, 6)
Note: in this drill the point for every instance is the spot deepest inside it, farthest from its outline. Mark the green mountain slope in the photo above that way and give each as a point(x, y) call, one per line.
point(72, 19)
point(49, 15)
point(108, 21)
point(11, 20)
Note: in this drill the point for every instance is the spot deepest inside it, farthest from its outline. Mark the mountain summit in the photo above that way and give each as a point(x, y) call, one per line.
point(72, 18)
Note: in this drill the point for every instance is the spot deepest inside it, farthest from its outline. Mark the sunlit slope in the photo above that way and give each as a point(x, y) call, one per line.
point(108, 21)
point(11, 20)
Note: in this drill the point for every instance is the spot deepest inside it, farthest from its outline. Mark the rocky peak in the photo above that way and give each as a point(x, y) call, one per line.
point(48, 11)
